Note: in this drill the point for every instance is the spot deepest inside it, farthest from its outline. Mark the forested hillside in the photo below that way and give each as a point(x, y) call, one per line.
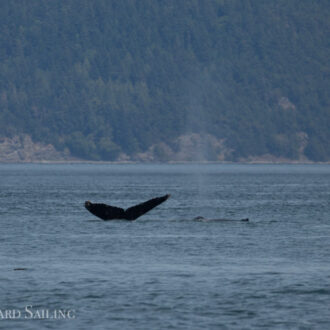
point(226, 79)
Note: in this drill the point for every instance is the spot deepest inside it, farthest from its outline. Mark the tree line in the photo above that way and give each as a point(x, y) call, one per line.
point(102, 77)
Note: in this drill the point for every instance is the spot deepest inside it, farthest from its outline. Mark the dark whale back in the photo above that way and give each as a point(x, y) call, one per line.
point(200, 218)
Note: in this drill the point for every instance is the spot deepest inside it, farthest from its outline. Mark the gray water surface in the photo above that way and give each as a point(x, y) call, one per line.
point(165, 270)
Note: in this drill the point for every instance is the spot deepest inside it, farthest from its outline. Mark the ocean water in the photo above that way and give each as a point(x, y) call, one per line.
point(165, 270)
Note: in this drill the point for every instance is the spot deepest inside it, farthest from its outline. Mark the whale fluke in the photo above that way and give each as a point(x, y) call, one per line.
point(108, 212)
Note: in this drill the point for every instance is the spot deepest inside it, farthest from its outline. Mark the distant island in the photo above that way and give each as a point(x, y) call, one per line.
point(155, 81)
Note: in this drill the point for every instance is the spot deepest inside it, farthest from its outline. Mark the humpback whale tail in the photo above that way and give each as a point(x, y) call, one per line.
point(108, 212)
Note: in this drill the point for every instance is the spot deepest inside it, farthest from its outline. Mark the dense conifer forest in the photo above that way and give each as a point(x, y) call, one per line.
point(107, 78)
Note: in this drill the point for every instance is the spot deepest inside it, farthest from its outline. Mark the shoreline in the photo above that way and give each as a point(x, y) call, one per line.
point(256, 162)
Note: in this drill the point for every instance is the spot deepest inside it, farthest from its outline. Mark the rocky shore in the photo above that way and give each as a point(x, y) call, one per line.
point(185, 149)
point(21, 149)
